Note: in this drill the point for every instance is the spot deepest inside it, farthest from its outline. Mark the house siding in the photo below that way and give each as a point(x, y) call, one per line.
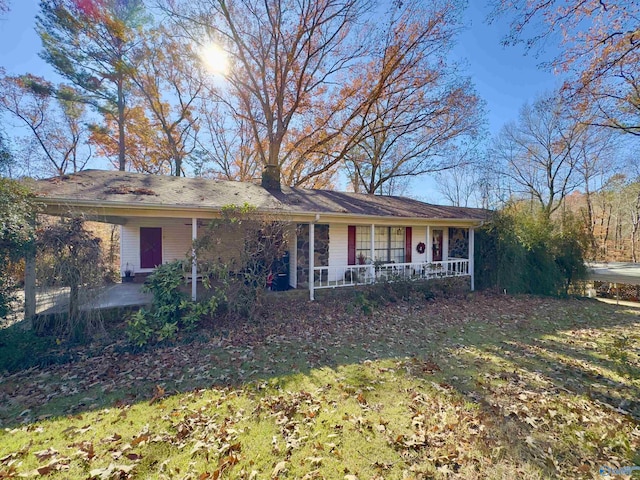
point(338, 245)
point(176, 241)
point(419, 234)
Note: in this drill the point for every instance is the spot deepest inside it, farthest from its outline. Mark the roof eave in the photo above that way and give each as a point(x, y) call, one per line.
point(121, 209)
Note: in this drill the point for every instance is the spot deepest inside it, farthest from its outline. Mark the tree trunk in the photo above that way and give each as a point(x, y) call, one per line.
point(121, 127)
point(606, 232)
point(591, 222)
point(635, 221)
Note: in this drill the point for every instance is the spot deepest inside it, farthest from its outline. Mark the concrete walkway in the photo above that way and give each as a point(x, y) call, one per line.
point(614, 272)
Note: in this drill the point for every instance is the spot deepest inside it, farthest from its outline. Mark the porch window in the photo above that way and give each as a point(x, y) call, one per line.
point(389, 244)
point(363, 245)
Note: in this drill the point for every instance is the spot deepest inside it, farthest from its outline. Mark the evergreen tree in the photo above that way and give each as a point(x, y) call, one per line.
point(89, 42)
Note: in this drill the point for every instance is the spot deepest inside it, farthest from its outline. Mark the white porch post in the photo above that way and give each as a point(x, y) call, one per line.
point(194, 262)
point(312, 248)
point(429, 244)
point(373, 243)
point(471, 255)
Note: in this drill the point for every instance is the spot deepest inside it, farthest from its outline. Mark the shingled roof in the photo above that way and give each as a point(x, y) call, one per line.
point(124, 189)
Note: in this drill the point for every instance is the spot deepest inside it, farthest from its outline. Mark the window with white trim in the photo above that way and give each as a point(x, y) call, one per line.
point(389, 244)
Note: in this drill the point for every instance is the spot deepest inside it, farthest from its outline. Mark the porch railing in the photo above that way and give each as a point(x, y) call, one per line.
point(352, 275)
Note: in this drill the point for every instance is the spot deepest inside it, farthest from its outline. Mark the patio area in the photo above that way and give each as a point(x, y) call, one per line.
point(55, 300)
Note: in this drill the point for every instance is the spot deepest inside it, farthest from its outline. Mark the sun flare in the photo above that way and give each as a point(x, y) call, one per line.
point(214, 58)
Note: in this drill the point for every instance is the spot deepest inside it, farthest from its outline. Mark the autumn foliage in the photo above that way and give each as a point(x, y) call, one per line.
point(599, 48)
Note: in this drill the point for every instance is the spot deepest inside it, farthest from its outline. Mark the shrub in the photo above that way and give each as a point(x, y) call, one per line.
point(17, 209)
point(526, 252)
point(237, 253)
point(370, 297)
point(21, 349)
point(76, 262)
point(171, 311)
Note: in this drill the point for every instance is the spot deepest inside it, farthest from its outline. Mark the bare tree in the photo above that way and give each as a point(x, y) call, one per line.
point(595, 153)
point(56, 125)
point(599, 50)
point(226, 142)
point(537, 153)
point(461, 185)
point(285, 56)
point(422, 106)
point(311, 80)
point(634, 211)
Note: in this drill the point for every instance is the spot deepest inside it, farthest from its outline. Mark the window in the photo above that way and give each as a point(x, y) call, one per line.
point(389, 244)
point(363, 245)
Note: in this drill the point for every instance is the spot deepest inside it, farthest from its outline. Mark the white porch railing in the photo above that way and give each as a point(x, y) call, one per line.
point(352, 275)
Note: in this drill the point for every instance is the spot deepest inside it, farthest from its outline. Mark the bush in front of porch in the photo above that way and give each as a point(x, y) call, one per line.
point(241, 254)
point(171, 311)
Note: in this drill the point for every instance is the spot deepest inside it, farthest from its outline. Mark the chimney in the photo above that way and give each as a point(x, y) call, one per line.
point(271, 177)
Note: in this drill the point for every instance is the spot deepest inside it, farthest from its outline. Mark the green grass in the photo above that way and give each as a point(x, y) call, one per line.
point(476, 386)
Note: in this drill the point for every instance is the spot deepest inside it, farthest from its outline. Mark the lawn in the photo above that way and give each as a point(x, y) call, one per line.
point(467, 386)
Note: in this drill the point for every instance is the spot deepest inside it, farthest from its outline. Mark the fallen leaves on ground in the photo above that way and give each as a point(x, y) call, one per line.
point(473, 384)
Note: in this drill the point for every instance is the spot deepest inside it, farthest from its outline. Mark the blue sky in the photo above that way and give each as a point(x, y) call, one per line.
point(505, 78)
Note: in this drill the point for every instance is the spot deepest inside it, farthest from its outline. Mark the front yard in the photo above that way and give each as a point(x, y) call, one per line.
point(470, 386)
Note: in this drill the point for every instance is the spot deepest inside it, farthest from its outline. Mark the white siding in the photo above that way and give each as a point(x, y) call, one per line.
point(176, 241)
point(338, 249)
point(338, 245)
point(129, 248)
point(418, 234)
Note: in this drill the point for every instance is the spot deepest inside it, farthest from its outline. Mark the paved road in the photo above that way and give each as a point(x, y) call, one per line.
point(614, 272)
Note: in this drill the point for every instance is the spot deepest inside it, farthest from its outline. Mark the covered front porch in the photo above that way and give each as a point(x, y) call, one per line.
point(338, 254)
point(342, 255)
point(352, 275)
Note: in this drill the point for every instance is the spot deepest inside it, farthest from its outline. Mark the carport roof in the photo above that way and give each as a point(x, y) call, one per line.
point(137, 190)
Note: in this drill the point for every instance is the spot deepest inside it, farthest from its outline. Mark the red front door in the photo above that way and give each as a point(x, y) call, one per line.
point(150, 247)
